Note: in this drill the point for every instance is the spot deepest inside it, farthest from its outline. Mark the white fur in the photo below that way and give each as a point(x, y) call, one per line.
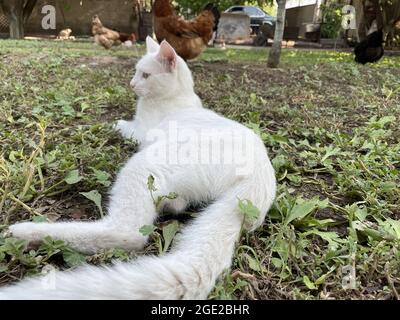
point(204, 248)
point(128, 43)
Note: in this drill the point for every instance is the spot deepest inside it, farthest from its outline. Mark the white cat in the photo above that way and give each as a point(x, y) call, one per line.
point(177, 146)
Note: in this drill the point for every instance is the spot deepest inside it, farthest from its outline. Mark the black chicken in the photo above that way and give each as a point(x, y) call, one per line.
point(370, 49)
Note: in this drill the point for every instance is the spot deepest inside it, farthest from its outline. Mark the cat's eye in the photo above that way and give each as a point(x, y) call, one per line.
point(145, 75)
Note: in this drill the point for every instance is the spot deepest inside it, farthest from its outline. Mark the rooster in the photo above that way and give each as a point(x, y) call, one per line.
point(188, 37)
point(370, 49)
point(106, 37)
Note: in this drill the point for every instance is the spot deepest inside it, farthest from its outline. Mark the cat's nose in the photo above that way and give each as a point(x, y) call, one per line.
point(132, 84)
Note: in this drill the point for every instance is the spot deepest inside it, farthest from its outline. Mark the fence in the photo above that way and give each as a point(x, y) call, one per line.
point(3, 22)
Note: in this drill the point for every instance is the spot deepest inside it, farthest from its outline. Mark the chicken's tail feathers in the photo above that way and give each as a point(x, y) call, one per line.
point(215, 12)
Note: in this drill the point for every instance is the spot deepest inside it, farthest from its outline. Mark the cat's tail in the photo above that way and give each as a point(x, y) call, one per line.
point(203, 251)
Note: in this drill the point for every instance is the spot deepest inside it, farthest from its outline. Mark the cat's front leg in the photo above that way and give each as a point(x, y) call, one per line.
point(126, 128)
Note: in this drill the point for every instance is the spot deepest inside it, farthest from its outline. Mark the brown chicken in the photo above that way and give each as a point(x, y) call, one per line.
point(106, 37)
point(65, 34)
point(188, 37)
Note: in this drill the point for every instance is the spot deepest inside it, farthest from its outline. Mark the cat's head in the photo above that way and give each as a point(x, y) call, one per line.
point(161, 73)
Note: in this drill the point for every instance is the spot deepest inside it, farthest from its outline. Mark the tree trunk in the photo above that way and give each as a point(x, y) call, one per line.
point(30, 4)
point(387, 14)
point(275, 52)
point(17, 12)
point(14, 10)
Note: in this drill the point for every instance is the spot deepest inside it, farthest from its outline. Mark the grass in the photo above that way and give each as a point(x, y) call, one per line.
point(330, 125)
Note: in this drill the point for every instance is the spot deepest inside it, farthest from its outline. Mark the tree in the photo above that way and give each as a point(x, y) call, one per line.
point(385, 12)
point(17, 12)
point(387, 16)
point(275, 52)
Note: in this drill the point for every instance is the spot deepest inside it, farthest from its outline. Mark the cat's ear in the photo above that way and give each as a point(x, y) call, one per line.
point(167, 53)
point(151, 45)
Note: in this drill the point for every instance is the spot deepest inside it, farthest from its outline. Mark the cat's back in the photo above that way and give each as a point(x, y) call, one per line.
point(201, 118)
point(200, 124)
point(203, 123)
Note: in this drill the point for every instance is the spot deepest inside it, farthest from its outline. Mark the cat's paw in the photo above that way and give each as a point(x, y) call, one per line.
point(125, 128)
point(120, 125)
point(25, 230)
